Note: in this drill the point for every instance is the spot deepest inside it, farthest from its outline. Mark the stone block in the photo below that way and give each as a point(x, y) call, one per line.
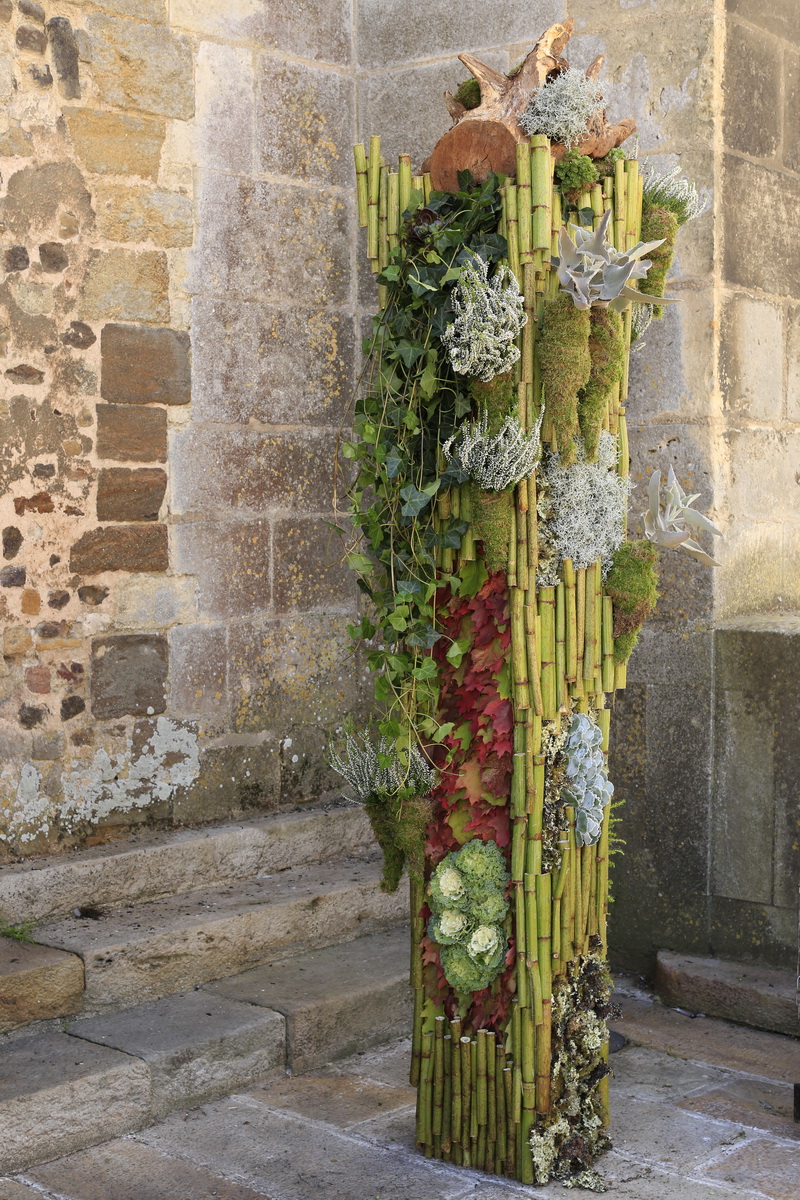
point(144, 366)
point(171, 945)
point(126, 494)
point(320, 30)
point(125, 286)
point(761, 1163)
point(791, 98)
point(291, 672)
point(310, 572)
point(116, 143)
point(766, 257)
point(135, 214)
point(29, 38)
point(751, 358)
point(751, 574)
point(764, 483)
point(55, 1101)
point(155, 602)
point(671, 378)
point(340, 1100)
point(198, 1046)
point(128, 1170)
point(250, 471)
point(752, 113)
point(742, 831)
point(749, 995)
point(139, 66)
point(746, 1101)
point(279, 366)
point(793, 357)
point(224, 124)
point(198, 683)
point(434, 29)
point(36, 196)
point(37, 983)
point(232, 562)
point(128, 434)
point(272, 240)
point(129, 675)
point(780, 17)
point(64, 52)
point(233, 780)
point(304, 121)
point(749, 932)
point(121, 548)
point(336, 1000)
point(415, 128)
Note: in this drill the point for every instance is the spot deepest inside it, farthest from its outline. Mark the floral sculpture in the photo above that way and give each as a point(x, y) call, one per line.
point(503, 596)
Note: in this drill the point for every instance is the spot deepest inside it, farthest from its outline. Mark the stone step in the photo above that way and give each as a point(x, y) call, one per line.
point(151, 950)
point(153, 865)
point(337, 1000)
point(197, 1046)
point(750, 995)
point(37, 983)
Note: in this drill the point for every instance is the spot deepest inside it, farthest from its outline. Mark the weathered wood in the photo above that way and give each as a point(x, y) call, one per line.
point(484, 139)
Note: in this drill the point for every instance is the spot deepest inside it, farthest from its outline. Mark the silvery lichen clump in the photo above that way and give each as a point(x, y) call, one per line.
point(379, 771)
point(592, 271)
point(489, 316)
point(499, 461)
point(563, 108)
point(582, 510)
point(665, 189)
point(669, 528)
point(586, 785)
point(467, 896)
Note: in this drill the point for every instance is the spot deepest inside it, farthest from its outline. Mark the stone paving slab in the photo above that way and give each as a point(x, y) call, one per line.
point(37, 983)
point(340, 1100)
point(198, 1046)
point(705, 1040)
point(11, 1190)
point(770, 1167)
point(643, 1074)
point(751, 995)
point(128, 1170)
point(768, 1106)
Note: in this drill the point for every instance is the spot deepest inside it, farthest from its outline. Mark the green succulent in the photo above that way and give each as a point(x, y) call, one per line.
point(575, 170)
point(669, 528)
point(592, 271)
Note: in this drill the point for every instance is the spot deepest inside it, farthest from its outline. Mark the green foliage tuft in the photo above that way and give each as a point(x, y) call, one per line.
point(469, 93)
point(565, 368)
point(20, 932)
point(659, 223)
point(607, 352)
point(575, 171)
point(605, 166)
point(632, 584)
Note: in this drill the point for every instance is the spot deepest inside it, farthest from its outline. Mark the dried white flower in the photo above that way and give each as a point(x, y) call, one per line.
point(563, 108)
point(359, 764)
point(582, 510)
point(665, 189)
point(489, 316)
point(499, 461)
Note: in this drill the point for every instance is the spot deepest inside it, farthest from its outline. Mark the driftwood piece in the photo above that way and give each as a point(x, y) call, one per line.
point(485, 138)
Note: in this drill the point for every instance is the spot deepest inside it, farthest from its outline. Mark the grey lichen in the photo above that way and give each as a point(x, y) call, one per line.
point(563, 108)
point(581, 510)
point(496, 462)
point(489, 314)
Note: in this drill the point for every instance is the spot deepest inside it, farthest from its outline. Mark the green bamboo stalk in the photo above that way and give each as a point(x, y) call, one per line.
point(473, 1125)
point(519, 651)
point(597, 204)
point(491, 1067)
point(511, 568)
point(561, 646)
point(544, 1035)
point(455, 1113)
point(528, 1118)
point(427, 186)
point(620, 209)
point(416, 900)
point(580, 597)
point(447, 1101)
point(404, 183)
point(598, 624)
point(631, 201)
point(481, 1071)
point(555, 228)
point(500, 1112)
point(532, 926)
point(383, 236)
point(528, 335)
point(373, 195)
point(466, 1100)
point(548, 648)
point(555, 936)
point(512, 234)
point(524, 202)
point(587, 868)
point(533, 744)
point(393, 212)
point(533, 520)
point(608, 645)
point(590, 632)
point(438, 1078)
point(467, 551)
point(570, 892)
point(424, 1134)
point(521, 934)
point(571, 620)
point(541, 193)
point(533, 655)
point(360, 157)
point(511, 1137)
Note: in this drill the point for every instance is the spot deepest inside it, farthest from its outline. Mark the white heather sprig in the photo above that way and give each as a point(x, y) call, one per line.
point(582, 509)
point(499, 461)
point(665, 189)
point(359, 764)
point(563, 108)
point(489, 315)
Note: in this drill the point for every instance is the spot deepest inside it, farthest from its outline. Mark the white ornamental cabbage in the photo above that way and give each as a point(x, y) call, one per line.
point(451, 884)
point(452, 922)
point(485, 943)
point(489, 316)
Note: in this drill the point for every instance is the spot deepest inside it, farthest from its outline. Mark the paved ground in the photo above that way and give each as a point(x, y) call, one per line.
point(702, 1111)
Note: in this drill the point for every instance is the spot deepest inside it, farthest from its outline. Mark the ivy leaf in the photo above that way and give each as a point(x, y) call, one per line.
point(408, 587)
point(360, 562)
point(443, 731)
point(429, 378)
point(389, 274)
point(409, 352)
point(473, 577)
point(457, 651)
point(393, 462)
point(586, 216)
point(416, 501)
point(426, 670)
point(424, 637)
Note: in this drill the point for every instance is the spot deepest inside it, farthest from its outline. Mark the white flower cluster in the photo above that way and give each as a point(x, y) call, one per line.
point(583, 509)
point(563, 108)
point(500, 461)
point(359, 764)
point(489, 316)
point(587, 784)
point(665, 189)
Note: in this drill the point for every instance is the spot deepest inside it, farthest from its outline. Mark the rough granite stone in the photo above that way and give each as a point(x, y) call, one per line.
point(310, 571)
point(135, 214)
point(144, 366)
point(199, 674)
point(233, 564)
point(125, 494)
point(131, 434)
point(772, 266)
point(121, 548)
point(135, 65)
point(129, 675)
point(124, 285)
point(304, 119)
point(64, 50)
point(753, 112)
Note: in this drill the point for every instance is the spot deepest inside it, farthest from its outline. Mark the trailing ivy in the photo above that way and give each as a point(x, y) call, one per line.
point(412, 403)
